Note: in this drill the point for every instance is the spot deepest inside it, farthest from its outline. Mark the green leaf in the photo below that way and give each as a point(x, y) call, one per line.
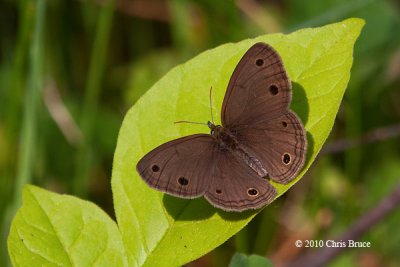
point(157, 228)
point(242, 260)
point(59, 230)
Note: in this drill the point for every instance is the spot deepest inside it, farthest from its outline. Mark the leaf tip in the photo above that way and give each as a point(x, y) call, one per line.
point(354, 22)
point(28, 190)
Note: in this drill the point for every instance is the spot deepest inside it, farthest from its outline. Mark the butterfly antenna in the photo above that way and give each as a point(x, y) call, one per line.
point(212, 117)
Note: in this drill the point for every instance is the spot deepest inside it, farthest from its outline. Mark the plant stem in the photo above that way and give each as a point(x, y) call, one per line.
point(92, 91)
point(32, 97)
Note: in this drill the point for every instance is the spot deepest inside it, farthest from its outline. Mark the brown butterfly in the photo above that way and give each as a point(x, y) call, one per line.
point(259, 137)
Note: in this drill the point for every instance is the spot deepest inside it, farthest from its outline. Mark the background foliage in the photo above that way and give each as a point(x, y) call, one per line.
point(69, 70)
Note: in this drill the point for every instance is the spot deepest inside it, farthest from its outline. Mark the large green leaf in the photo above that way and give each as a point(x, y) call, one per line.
point(56, 230)
point(159, 229)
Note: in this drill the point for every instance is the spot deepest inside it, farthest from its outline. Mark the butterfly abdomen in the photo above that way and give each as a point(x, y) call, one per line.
point(227, 141)
point(242, 154)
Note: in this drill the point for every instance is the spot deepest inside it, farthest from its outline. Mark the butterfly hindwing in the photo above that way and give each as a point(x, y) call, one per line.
point(235, 187)
point(279, 144)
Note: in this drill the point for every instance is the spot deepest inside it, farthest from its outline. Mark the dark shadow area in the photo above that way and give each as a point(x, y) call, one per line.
point(199, 209)
point(237, 216)
point(310, 148)
point(301, 107)
point(188, 209)
point(300, 102)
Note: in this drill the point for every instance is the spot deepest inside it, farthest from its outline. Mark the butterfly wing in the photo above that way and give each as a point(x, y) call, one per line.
point(235, 187)
point(256, 109)
point(182, 167)
point(280, 145)
point(258, 89)
point(226, 182)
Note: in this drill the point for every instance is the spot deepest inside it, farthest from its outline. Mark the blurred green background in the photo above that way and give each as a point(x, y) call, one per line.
point(70, 70)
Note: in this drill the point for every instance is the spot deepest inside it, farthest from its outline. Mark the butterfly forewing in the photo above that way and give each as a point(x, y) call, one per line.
point(258, 89)
point(182, 167)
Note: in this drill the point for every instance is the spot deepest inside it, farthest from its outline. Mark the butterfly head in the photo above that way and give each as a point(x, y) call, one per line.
point(211, 125)
point(224, 137)
point(215, 129)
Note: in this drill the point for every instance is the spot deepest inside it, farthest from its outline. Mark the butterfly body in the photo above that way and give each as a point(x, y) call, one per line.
point(259, 136)
point(227, 142)
point(223, 137)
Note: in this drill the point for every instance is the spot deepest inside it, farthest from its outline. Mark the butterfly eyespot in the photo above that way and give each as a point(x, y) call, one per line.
point(252, 192)
point(274, 89)
point(284, 124)
point(183, 181)
point(155, 168)
point(286, 158)
point(259, 62)
point(218, 191)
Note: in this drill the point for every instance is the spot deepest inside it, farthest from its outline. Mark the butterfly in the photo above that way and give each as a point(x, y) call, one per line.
point(259, 137)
